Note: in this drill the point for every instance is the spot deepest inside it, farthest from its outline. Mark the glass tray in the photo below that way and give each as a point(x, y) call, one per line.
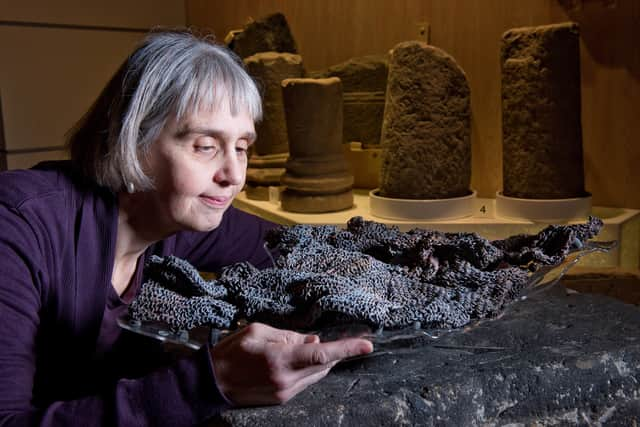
point(545, 277)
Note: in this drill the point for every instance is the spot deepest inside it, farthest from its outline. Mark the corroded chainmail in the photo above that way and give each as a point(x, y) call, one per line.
point(368, 272)
point(176, 294)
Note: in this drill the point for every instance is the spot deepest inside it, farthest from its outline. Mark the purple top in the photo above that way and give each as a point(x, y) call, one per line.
point(63, 360)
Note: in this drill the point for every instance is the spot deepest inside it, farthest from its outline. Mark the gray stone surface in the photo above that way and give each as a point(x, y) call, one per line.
point(270, 34)
point(541, 122)
point(426, 132)
point(364, 82)
point(552, 359)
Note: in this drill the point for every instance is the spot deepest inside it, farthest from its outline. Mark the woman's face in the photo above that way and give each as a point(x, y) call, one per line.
point(198, 167)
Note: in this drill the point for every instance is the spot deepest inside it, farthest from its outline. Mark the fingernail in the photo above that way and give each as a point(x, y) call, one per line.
point(366, 347)
point(312, 339)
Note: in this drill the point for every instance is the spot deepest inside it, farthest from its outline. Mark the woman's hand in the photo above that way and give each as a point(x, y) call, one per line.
point(261, 365)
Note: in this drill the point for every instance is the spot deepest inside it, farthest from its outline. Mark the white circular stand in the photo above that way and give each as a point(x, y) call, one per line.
point(420, 209)
point(543, 210)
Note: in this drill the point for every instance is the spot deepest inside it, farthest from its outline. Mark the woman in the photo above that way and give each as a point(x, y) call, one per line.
point(155, 166)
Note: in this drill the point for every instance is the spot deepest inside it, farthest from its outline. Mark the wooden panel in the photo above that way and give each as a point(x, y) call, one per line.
point(610, 60)
point(330, 31)
point(327, 31)
point(49, 77)
point(112, 13)
point(26, 160)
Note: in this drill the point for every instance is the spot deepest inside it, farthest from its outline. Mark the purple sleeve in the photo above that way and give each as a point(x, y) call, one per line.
point(183, 394)
point(239, 237)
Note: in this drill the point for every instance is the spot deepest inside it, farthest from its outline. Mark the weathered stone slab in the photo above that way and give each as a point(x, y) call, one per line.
point(550, 360)
point(426, 132)
point(364, 82)
point(541, 121)
point(316, 177)
point(271, 34)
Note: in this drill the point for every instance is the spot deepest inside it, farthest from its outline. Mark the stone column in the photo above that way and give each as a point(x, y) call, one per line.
point(271, 149)
point(426, 132)
point(541, 125)
point(316, 178)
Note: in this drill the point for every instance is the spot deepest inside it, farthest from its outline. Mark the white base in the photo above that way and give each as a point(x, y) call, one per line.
point(543, 210)
point(423, 210)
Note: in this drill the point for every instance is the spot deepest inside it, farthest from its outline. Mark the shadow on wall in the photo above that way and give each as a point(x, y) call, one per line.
point(609, 30)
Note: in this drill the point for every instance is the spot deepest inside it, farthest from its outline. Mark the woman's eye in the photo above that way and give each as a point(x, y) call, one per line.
point(204, 148)
point(205, 145)
point(242, 148)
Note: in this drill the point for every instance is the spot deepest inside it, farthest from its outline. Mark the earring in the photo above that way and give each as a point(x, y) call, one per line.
point(130, 187)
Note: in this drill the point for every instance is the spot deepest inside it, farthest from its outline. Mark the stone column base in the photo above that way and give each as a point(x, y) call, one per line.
point(294, 201)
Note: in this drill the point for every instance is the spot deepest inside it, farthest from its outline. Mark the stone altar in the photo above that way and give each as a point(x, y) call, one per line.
point(552, 359)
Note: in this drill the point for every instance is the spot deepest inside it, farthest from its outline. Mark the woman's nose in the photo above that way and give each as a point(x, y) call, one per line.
point(231, 171)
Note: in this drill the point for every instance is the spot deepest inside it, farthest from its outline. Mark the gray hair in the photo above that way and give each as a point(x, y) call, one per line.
point(171, 75)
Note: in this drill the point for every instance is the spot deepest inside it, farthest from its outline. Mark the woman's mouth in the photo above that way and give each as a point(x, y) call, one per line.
point(215, 201)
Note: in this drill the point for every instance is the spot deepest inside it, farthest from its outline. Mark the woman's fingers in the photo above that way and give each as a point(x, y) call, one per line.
point(307, 361)
point(312, 339)
point(321, 354)
point(276, 364)
point(269, 334)
point(311, 362)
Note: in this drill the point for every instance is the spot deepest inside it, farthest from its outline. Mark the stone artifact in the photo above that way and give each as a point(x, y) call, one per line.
point(316, 178)
point(271, 149)
point(364, 82)
point(271, 34)
point(426, 132)
point(541, 124)
point(552, 360)
point(368, 273)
